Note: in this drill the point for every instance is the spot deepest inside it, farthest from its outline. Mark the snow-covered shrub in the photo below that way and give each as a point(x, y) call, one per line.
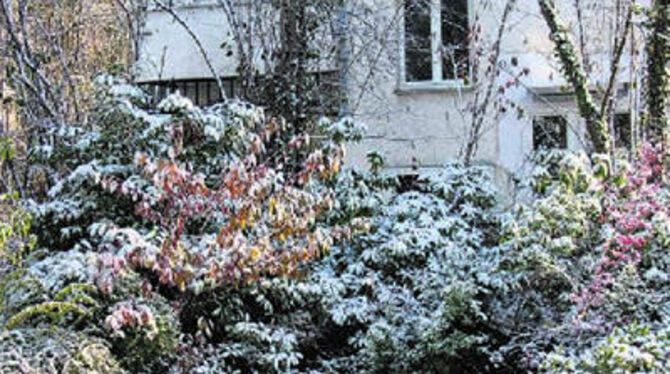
point(16, 240)
point(586, 256)
point(563, 169)
point(547, 236)
point(205, 240)
point(270, 327)
point(173, 203)
point(140, 324)
point(197, 186)
point(143, 341)
point(345, 129)
point(57, 288)
point(409, 296)
point(633, 349)
point(54, 350)
point(62, 289)
point(358, 195)
point(279, 325)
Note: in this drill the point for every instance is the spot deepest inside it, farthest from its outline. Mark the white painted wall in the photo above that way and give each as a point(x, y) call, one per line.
point(168, 52)
point(412, 127)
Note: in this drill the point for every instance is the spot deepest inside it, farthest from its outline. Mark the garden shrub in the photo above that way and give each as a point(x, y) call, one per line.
point(61, 283)
point(411, 293)
point(153, 208)
point(202, 240)
point(54, 350)
point(406, 295)
point(587, 255)
point(16, 240)
point(61, 290)
point(633, 349)
point(181, 182)
point(141, 325)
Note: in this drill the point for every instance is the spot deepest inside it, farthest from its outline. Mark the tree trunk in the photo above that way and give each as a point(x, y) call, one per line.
point(657, 80)
point(574, 73)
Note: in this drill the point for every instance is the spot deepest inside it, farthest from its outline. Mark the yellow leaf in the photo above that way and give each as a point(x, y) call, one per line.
point(255, 253)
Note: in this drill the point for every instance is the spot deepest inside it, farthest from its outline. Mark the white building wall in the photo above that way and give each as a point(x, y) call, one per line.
point(413, 127)
point(168, 52)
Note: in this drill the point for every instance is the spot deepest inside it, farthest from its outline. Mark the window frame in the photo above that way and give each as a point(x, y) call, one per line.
point(437, 83)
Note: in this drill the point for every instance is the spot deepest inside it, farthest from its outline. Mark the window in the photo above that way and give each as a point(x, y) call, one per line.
point(323, 91)
point(622, 131)
point(550, 132)
point(202, 92)
point(436, 40)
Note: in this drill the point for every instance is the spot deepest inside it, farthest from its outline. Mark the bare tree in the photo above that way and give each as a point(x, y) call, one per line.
point(51, 51)
point(283, 49)
point(196, 40)
point(483, 99)
point(134, 12)
point(575, 74)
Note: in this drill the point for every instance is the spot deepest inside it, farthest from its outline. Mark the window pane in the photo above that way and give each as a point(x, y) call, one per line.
point(550, 132)
point(162, 92)
point(214, 93)
point(455, 52)
point(418, 60)
point(201, 93)
point(174, 87)
point(622, 131)
point(191, 91)
point(234, 88)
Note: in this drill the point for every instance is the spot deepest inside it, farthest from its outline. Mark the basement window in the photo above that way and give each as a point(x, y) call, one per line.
point(550, 132)
point(436, 41)
point(322, 91)
point(202, 92)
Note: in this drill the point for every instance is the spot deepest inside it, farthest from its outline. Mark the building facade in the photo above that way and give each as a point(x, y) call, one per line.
point(416, 71)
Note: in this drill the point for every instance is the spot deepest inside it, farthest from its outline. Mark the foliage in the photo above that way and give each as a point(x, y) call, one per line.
point(49, 350)
point(61, 290)
point(587, 255)
point(409, 294)
point(189, 240)
point(400, 297)
point(16, 241)
point(55, 284)
point(276, 326)
point(51, 52)
point(143, 336)
point(54, 309)
point(194, 202)
point(633, 349)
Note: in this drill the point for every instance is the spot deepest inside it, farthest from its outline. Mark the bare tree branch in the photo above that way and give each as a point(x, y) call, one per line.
point(479, 111)
point(620, 41)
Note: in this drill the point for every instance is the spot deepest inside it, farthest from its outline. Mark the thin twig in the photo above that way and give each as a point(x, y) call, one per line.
point(197, 42)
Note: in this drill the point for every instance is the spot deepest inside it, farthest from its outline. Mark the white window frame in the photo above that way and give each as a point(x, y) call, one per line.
point(437, 83)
